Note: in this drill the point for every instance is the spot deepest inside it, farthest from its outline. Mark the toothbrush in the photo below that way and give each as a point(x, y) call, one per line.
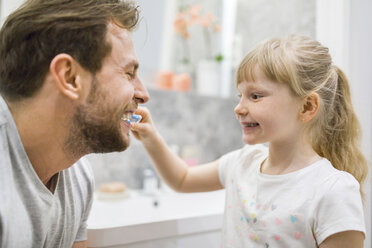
point(132, 118)
point(135, 118)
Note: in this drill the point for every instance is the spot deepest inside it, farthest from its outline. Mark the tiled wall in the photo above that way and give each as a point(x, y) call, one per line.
point(185, 119)
point(258, 20)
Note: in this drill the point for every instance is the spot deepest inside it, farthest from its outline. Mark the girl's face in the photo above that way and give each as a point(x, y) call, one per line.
point(268, 111)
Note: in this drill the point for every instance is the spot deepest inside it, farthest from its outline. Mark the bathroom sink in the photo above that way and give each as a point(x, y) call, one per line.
point(141, 218)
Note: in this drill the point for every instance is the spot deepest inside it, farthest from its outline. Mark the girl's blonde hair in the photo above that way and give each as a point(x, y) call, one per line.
point(306, 66)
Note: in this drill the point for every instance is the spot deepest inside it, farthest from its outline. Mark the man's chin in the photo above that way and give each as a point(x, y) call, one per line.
point(122, 146)
point(125, 146)
point(113, 146)
point(126, 141)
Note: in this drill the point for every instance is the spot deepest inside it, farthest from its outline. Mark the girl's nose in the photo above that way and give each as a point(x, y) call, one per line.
point(240, 109)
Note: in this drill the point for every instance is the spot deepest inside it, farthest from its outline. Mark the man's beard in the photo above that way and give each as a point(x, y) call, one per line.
point(95, 128)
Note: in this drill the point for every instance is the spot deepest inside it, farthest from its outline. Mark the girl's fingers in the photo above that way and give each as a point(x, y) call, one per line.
point(141, 128)
point(135, 127)
point(142, 111)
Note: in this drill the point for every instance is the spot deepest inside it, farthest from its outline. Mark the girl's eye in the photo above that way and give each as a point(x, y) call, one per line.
point(255, 96)
point(239, 96)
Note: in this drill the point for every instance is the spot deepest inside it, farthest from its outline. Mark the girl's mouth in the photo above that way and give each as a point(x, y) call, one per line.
point(250, 124)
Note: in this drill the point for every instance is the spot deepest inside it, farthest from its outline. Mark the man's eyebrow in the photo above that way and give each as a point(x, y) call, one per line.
point(131, 64)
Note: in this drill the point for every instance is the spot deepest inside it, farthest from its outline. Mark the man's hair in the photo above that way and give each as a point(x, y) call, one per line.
point(40, 29)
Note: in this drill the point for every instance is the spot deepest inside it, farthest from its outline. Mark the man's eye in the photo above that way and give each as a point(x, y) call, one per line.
point(130, 75)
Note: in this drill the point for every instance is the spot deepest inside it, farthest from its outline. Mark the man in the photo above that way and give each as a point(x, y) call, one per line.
point(68, 74)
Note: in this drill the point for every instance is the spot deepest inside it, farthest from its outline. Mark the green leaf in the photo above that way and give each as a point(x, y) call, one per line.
point(219, 58)
point(185, 61)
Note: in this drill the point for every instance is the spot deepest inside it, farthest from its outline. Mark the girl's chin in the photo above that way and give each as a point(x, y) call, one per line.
point(250, 141)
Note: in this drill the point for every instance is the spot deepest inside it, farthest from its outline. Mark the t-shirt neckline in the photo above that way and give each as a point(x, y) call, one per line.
point(45, 192)
point(289, 174)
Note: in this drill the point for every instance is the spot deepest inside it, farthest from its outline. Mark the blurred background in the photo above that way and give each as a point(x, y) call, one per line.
point(189, 51)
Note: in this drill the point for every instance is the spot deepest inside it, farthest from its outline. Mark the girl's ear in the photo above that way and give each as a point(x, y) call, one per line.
point(310, 107)
point(64, 71)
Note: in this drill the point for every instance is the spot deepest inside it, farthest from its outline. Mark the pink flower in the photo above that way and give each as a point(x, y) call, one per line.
point(211, 17)
point(181, 25)
point(216, 28)
point(190, 16)
point(194, 19)
point(205, 22)
point(194, 10)
point(208, 19)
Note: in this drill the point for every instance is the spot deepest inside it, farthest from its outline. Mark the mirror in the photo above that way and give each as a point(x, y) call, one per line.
point(186, 45)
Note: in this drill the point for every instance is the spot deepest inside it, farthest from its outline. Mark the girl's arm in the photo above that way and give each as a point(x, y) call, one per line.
point(347, 239)
point(174, 171)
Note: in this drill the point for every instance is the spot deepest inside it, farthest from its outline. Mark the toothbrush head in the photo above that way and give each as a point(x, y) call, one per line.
point(132, 118)
point(135, 118)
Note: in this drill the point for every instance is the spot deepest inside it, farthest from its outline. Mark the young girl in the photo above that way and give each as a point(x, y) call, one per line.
point(303, 190)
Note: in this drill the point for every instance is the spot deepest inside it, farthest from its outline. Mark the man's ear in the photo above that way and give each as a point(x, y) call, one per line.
point(310, 107)
point(64, 69)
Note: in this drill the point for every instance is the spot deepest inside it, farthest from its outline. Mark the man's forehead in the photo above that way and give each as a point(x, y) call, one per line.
point(118, 31)
point(121, 41)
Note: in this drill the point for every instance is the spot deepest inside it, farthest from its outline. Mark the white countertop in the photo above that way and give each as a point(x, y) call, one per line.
point(135, 218)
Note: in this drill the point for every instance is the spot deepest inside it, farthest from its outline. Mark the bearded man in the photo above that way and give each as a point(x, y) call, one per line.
point(68, 75)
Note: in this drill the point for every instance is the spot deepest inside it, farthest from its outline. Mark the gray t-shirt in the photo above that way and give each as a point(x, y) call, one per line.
point(30, 215)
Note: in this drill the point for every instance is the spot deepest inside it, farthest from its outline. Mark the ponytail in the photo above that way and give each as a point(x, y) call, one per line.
point(339, 140)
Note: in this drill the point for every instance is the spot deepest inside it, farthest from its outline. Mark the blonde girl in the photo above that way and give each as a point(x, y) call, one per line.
point(303, 189)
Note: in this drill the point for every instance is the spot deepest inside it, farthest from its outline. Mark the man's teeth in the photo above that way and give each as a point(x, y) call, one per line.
point(127, 116)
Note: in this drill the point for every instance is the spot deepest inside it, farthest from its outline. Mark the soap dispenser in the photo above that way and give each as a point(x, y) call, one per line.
point(150, 182)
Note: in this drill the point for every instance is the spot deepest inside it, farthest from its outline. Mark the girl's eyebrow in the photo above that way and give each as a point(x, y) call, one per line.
point(254, 87)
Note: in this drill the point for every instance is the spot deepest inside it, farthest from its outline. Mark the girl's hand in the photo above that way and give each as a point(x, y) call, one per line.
point(144, 130)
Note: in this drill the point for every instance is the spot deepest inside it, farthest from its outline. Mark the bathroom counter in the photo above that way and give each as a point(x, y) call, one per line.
point(136, 219)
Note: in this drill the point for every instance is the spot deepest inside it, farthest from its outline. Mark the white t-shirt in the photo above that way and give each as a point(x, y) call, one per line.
point(30, 215)
point(298, 209)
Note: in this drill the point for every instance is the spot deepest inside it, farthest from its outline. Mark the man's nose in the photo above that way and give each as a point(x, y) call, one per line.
point(141, 95)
